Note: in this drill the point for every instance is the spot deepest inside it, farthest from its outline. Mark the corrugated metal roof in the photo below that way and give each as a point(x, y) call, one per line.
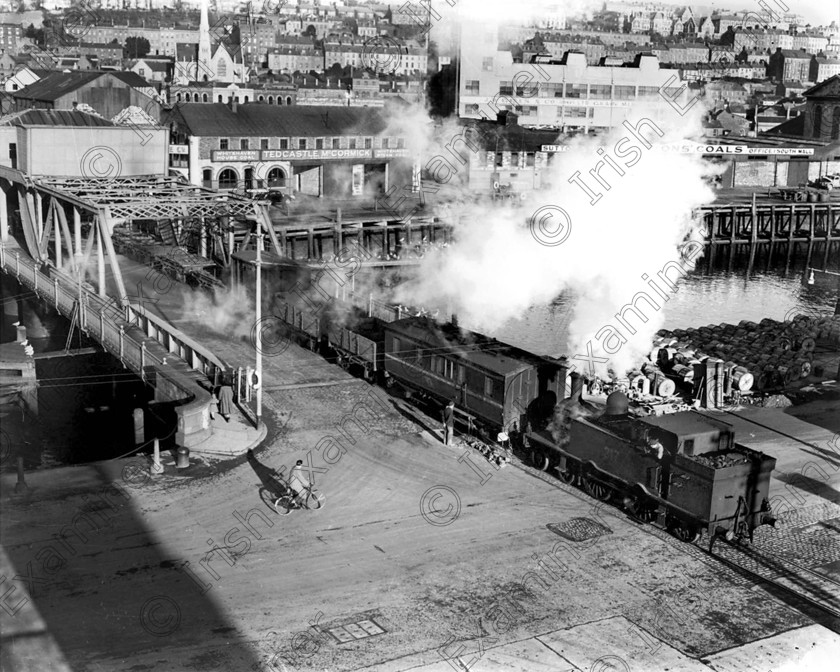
point(255, 120)
point(131, 78)
point(53, 118)
point(57, 84)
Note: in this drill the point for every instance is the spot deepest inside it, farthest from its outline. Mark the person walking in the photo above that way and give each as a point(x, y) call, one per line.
point(226, 401)
point(448, 422)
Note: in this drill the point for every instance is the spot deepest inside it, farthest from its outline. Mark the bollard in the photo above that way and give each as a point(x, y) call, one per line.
point(157, 468)
point(139, 426)
point(183, 459)
point(20, 486)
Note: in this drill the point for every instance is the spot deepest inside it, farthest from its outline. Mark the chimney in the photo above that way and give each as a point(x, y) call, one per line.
point(75, 105)
point(577, 386)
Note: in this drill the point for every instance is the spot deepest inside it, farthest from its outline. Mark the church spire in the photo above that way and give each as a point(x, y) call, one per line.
point(205, 70)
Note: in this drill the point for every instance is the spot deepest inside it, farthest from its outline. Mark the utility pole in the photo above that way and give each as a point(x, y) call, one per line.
point(258, 365)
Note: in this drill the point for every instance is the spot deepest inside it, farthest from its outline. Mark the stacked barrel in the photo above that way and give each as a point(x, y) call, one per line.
point(764, 355)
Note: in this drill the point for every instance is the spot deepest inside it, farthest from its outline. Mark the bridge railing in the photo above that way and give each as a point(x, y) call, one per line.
point(111, 323)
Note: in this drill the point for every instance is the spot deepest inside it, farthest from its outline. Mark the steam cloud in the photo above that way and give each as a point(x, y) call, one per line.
point(497, 269)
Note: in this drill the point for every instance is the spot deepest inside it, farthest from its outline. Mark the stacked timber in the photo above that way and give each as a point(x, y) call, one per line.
point(764, 355)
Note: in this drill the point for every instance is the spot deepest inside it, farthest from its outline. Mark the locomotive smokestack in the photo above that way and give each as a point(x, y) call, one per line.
point(577, 386)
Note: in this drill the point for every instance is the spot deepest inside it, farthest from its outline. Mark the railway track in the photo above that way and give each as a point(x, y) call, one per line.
point(801, 588)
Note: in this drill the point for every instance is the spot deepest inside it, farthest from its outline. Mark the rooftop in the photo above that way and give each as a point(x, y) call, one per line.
point(251, 120)
point(53, 118)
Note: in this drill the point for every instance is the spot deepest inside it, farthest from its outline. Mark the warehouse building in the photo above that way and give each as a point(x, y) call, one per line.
point(314, 150)
point(567, 94)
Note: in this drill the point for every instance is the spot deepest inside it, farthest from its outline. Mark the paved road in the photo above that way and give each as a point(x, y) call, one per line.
point(378, 579)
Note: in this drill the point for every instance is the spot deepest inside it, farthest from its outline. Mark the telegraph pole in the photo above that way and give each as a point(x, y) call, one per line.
point(258, 365)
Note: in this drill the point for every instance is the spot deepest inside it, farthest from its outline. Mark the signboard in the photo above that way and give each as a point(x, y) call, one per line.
point(500, 100)
point(358, 178)
point(235, 155)
point(554, 148)
point(389, 153)
point(721, 150)
point(179, 149)
point(224, 155)
point(316, 154)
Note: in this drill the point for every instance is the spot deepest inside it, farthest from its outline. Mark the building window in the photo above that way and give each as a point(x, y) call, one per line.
point(271, 100)
point(472, 87)
point(624, 92)
point(244, 144)
point(530, 159)
point(506, 88)
point(221, 100)
point(368, 143)
point(302, 143)
point(818, 111)
point(514, 159)
point(284, 143)
point(575, 113)
point(487, 63)
point(204, 98)
point(576, 90)
point(488, 387)
point(648, 91)
point(223, 143)
point(263, 143)
point(260, 99)
point(551, 90)
point(386, 143)
point(319, 143)
point(599, 91)
point(227, 179)
point(400, 143)
point(471, 108)
point(528, 110)
point(288, 100)
point(352, 143)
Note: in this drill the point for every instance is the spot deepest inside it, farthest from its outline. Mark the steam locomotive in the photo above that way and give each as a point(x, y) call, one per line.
point(683, 471)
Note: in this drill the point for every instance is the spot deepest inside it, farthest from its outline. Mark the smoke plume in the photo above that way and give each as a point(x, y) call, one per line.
point(505, 261)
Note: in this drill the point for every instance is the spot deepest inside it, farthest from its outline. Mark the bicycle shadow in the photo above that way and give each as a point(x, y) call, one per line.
point(270, 479)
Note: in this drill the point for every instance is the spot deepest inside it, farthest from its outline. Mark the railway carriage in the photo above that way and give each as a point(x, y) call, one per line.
point(495, 385)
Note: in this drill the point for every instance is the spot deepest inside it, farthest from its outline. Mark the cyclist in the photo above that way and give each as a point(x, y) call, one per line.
point(297, 482)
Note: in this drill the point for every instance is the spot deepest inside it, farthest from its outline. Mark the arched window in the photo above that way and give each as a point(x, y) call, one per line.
point(204, 98)
point(178, 97)
point(227, 179)
point(261, 99)
point(271, 100)
point(207, 177)
point(221, 100)
point(245, 100)
point(187, 97)
point(276, 177)
point(835, 124)
point(288, 100)
point(818, 121)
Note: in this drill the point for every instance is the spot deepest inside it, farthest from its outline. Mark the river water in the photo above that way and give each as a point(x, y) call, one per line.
point(705, 296)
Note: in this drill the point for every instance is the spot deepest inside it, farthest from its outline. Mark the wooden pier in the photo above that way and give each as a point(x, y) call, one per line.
point(791, 229)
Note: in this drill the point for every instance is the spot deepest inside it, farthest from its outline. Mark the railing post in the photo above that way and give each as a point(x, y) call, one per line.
point(2, 255)
point(102, 328)
point(143, 360)
point(122, 345)
point(55, 284)
point(17, 265)
point(35, 280)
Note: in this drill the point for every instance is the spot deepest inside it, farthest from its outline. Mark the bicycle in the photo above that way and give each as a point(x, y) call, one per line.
point(310, 499)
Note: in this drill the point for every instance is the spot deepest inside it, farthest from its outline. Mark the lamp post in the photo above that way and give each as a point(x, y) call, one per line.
point(258, 364)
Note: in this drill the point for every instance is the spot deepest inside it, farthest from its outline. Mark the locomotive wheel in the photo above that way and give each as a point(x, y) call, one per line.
point(686, 532)
point(539, 460)
point(639, 507)
point(566, 475)
point(596, 490)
